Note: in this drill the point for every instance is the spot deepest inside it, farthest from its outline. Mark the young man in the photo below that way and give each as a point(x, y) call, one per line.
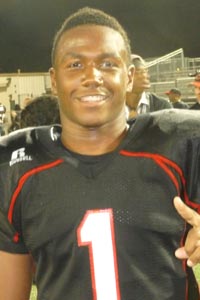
point(139, 100)
point(174, 96)
point(196, 85)
point(92, 203)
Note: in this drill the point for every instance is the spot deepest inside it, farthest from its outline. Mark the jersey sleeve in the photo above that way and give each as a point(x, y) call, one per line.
point(9, 241)
point(10, 230)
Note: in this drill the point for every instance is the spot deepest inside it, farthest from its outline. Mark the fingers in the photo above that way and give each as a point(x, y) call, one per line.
point(181, 253)
point(188, 214)
point(192, 246)
point(191, 249)
point(193, 260)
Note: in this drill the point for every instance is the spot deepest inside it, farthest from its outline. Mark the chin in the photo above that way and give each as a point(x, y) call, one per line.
point(92, 125)
point(92, 122)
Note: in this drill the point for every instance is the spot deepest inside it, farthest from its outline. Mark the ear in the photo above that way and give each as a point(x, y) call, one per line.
point(53, 80)
point(131, 71)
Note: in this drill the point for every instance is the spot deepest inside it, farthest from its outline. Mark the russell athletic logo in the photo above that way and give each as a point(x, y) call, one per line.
point(18, 156)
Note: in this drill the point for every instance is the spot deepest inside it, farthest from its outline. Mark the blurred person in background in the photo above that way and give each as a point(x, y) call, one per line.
point(196, 85)
point(42, 110)
point(15, 116)
point(139, 100)
point(174, 96)
point(2, 118)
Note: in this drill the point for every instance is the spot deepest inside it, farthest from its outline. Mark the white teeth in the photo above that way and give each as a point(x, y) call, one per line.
point(94, 98)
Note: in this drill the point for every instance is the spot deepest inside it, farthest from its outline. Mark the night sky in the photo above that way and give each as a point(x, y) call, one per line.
point(155, 28)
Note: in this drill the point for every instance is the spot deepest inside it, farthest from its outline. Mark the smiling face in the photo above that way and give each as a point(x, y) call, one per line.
point(141, 80)
point(91, 76)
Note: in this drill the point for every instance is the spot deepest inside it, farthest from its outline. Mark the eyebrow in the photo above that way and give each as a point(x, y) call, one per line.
point(101, 56)
point(109, 54)
point(71, 55)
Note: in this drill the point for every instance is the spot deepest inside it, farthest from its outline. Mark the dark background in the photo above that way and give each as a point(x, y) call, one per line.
point(155, 28)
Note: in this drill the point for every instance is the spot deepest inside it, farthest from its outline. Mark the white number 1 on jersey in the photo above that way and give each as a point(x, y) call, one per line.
point(97, 232)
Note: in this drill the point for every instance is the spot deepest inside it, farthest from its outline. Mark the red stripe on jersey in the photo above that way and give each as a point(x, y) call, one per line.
point(20, 185)
point(165, 163)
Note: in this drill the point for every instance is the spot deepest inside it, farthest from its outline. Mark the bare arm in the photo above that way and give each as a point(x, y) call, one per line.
point(15, 276)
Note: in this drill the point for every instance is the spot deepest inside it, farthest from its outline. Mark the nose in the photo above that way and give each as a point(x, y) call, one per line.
point(92, 77)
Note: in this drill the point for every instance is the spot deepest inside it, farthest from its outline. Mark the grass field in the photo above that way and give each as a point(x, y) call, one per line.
point(196, 270)
point(33, 293)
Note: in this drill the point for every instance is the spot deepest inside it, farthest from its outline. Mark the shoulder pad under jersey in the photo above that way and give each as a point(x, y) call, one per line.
point(183, 122)
point(20, 144)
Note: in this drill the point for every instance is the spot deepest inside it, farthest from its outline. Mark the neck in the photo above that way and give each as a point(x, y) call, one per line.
point(93, 141)
point(133, 100)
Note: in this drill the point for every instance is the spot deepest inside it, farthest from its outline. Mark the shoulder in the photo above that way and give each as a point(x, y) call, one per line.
point(24, 143)
point(180, 104)
point(173, 122)
point(184, 104)
point(178, 121)
point(195, 106)
point(158, 102)
point(16, 139)
point(164, 131)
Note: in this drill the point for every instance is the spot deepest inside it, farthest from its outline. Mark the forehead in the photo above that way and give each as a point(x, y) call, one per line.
point(91, 40)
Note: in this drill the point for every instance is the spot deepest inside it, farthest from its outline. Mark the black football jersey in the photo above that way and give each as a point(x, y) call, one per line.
point(103, 227)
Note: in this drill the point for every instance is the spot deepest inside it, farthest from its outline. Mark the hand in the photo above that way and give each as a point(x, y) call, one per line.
point(191, 249)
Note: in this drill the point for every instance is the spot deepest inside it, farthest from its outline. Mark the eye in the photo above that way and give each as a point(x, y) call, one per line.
point(75, 65)
point(107, 64)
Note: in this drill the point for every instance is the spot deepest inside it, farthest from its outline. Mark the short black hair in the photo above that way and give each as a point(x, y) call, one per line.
point(138, 61)
point(175, 91)
point(85, 16)
point(42, 110)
